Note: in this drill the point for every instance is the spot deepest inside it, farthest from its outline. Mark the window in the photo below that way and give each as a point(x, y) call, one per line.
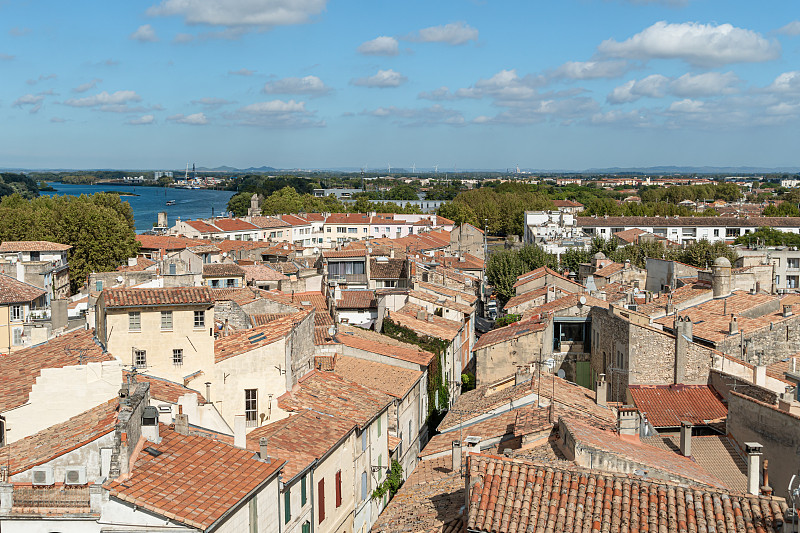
point(365, 230)
point(379, 425)
point(287, 506)
point(341, 230)
point(166, 320)
point(364, 485)
point(35, 256)
point(321, 499)
point(232, 283)
point(400, 446)
point(140, 358)
point(380, 467)
point(352, 230)
point(177, 356)
point(17, 312)
point(251, 407)
point(17, 336)
point(172, 269)
point(306, 527)
point(214, 283)
point(98, 285)
point(792, 282)
point(793, 262)
point(364, 441)
point(303, 495)
point(329, 229)
point(134, 321)
point(199, 319)
point(338, 489)
point(716, 233)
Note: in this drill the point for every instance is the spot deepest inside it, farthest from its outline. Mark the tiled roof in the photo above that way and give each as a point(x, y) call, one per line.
point(285, 267)
point(759, 222)
point(353, 299)
point(566, 203)
point(528, 296)
point(511, 495)
point(778, 369)
point(13, 291)
point(442, 301)
point(608, 270)
point(669, 405)
point(261, 273)
point(470, 262)
point(164, 390)
point(268, 222)
point(392, 380)
point(204, 249)
point(629, 235)
point(453, 294)
point(250, 339)
point(142, 263)
point(430, 500)
point(389, 268)
point(310, 434)
point(294, 220)
point(194, 480)
point(347, 218)
point(715, 453)
point(202, 227)
point(234, 224)
point(424, 327)
point(19, 370)
point(540, 272)
point(381, 344)
point(219, 270)
point(329, 393)
point(497, 426)
point(679, 468)
point(165, 242)
point(231, 245)
point(241, 296)
point(33, 246)
point(157, 297)
point(60, 438)
point(347, 252)
point(394, 442)
point(510, 332)
point(565, 302)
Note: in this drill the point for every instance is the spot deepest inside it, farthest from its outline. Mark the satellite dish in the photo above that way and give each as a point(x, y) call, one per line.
point(120, 279)
point(561, 373)
point(332, 331)
point(582, 300)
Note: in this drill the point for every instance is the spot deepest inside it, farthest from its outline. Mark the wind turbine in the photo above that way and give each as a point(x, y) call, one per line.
point(435, 169)
point(390, 167)
point(413, 168)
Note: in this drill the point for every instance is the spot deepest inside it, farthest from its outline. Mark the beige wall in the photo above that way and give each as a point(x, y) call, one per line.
point(340, 518)
point(267, 509)
point(299, 513)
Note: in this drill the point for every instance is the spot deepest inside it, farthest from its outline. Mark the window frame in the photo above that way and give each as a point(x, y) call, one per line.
point(135, 321)
point(251, 407)
point(140, 358)
point(177, 356)
point(166, 321)
point(338, 488)
point(200, 324)
point(17, 313)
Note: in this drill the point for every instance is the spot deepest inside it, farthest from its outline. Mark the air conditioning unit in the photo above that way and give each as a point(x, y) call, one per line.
point(75, 475)
point(43, 475)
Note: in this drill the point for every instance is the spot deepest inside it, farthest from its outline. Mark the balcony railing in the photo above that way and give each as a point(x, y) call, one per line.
point(55, 497)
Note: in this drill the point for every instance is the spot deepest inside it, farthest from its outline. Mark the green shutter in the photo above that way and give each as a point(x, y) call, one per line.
point(287, 506)
point(379, 426)
point(303, 491)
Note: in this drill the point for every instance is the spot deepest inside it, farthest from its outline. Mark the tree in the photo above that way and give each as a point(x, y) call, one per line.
point(240, 203)
point(769, 237)
point(98, 227)
point(784, 209)
point(702, 253)
point(502, 271)
point(572, 258)
point(459, 213)
point(402, 192)
point(534, 256)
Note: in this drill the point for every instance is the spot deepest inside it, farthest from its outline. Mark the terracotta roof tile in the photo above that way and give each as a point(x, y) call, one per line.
point(446, 332)
point(356, 299)
point(234, 224)
point(250, 339)
point(157, 297)
point(301, 438)
point(13, 291)
point(329, 393)
point(347, 252)
point(241, 296)
point(33, 246)
point(268, 222)
point(19, 370)
point(60, 438)
point(142, 263)
point(262, 273)
point(218, 270)
point(202, 227)
point(392, 380)
point(388, 268)
point(295, 220)
point(322, 337)
point(512, 331)
point(441, 301)
point(540, 272)
point(347, 218)
point(383, 345)
point(669, 405)
point(194, 480)
point(165, 242)
point(164, 390)
point(608, 270)
point(511, 495)
point(453, 294)
point(566, 203)
point(565, 302)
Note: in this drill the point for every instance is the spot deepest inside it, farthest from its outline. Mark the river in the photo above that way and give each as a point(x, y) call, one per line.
point(189, 203)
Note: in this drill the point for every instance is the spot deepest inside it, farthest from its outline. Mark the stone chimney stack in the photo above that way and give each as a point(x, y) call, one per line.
point(262, 447)
point(753, 450)
point(787, 310)
point(686, 439)
point(733, 328)
point(182, 423)
point(456, 456)
point(683, 336)
point(721, 277)
point(602, 390)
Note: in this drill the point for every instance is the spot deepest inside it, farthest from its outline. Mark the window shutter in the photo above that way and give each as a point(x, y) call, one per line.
point(303, 496)
point(338, 488)
point(287, 506)
point(321, 492)
point(364, 486)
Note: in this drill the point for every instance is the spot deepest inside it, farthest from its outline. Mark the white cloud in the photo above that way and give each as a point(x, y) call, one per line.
point(115, 102)
point(615, 116)
point(141, 121)
point(41, 78)
point(83, 87)
point(455, 33)
point(195, 119)
point(383, 79)
point(212, 103)
point(788, 82)
point(566, 110)
point(793, 28)
point(706, 84)
point(442, 93)
point(183, 38)
point(380, 46)
point(427, 116)
point(592, 70)
point(703, 45)
point(248, 13)
point(33, 100)
point(144, 34)
point(57, 120)
point(505, 86)
point(310, 85)
point(687, 106)
point(6, 57)
point(277, 114)
point(242, 72)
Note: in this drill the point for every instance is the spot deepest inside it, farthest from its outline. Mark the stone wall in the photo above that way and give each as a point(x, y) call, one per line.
point(777, 431)
point(773, 342)
point(499, 360)
point(724, 383)
point(300, 348)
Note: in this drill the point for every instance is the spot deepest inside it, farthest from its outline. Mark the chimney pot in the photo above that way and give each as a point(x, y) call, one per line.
point(601, 396)
point(262, 446)
point(686, 439)
point(239, 431)
point(733, 328)
point(787, 310)
point(753, 450)
point(182, 424)
point(208, 391)
point(456, 449)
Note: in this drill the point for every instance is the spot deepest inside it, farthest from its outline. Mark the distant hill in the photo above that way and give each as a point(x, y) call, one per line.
point(734, 171)
point(234, 169)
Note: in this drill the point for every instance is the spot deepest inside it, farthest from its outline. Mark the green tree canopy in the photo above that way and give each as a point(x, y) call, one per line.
point(769, 237)
point(240, 203)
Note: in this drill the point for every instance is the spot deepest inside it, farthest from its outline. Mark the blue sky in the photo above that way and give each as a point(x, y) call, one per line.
point(333, 83)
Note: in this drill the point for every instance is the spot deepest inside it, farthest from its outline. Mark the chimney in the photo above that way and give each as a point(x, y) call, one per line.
point(208, 392)
point(686, 439)
point(456, 456)
point(628, 421)
point(766, 490)
point(133, 261)
point(182, 423)
point(753, 450)
point(422, 315)
point(150, 424)
point(733, 328)
point(391, 253)
point(760, 375)
point(787, 310)
point(683, 336)
point(239, 431)
point(262, 447)
point(473, 444)
point(602, 391)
